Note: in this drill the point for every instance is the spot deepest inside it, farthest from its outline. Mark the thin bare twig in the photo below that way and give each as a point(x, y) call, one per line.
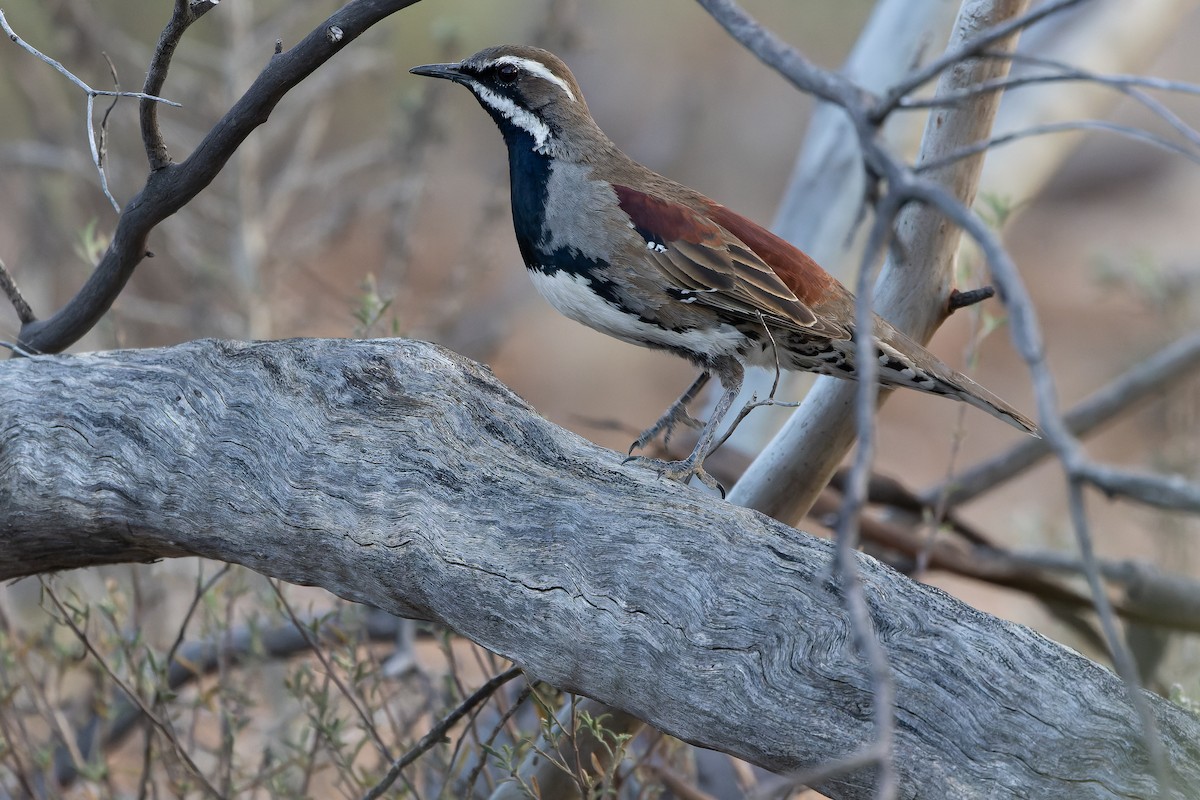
point(112, 70)
point(71, 76)
point(1066, 73)
point(92, 94)
point(95, 150)
point(1122, 658)
point(1149, 378)
point(18, 349)
point(855, 497)
point(303, 629)
point(974, 47)
point(9, 286)
point(939, 516)
point(489, 742)
point(1128, 131)
point(202, 588)
point(166, 729)
point(439, 731)
point(1132, 86)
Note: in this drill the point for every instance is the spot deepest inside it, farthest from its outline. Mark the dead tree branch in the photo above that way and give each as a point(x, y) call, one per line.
point(899, 538)
point(171, 186)
point(96, 149)
point(438, 732)
point(398, 474)
point(1149, 378)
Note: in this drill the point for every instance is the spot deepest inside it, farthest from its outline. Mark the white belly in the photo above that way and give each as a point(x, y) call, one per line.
point(572, 297)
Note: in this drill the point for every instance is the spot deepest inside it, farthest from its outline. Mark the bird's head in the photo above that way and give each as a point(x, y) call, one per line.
point(531, 94)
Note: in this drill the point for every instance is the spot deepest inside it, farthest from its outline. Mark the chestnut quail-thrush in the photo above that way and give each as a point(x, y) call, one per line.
point(622, 249)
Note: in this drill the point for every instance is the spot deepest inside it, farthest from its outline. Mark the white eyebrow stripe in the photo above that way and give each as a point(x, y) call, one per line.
point(539, 69)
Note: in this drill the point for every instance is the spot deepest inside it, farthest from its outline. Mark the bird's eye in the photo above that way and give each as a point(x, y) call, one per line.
point(507, 73)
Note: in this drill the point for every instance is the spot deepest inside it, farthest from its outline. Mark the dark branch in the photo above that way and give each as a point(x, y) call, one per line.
point(186, 12)
point(959, 299)
point(438, 732)
point(171, 187)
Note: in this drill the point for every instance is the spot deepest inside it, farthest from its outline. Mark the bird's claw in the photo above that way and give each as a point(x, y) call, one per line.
point(677, 414)
point(682, 471)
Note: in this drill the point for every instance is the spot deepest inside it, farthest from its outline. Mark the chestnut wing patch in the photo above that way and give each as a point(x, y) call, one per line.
point(710, 264)
point(805, 277)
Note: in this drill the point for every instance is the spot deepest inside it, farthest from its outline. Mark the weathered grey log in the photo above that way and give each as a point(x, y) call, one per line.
point(399, 474)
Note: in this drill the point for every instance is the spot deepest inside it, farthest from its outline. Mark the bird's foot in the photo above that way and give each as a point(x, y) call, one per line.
point(682, 471)
point(677, 414)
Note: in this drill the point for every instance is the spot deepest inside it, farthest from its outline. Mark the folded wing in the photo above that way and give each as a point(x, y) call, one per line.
point(723, 260)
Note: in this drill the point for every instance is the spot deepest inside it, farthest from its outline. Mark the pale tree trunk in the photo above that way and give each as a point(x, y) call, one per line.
point(820, 208)
point(821, 211)
point(785, 480)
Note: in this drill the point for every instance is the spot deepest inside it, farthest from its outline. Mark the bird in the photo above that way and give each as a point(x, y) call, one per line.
point(628, 252)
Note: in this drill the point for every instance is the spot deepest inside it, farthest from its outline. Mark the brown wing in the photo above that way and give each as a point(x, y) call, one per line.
point(726, 261)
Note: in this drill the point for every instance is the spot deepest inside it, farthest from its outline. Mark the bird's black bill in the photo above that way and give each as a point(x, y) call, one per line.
point(451, 72)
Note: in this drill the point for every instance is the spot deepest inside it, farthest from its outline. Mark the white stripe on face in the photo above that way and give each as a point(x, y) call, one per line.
point(512, 112)
point(539, 69)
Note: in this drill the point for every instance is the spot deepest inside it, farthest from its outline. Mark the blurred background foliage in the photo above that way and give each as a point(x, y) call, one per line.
point(374, 203)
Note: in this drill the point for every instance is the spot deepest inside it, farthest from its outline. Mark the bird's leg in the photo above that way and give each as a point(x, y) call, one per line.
point(731, 375)
point(677, 414)
point(754, 401)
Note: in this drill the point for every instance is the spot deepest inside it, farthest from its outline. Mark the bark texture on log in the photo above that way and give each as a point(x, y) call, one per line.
point(399, 474)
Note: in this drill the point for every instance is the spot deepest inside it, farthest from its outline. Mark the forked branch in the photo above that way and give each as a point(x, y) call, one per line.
point(171, 186)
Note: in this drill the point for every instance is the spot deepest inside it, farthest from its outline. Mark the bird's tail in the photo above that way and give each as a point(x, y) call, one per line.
point(973, 394)
point(903, 362)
